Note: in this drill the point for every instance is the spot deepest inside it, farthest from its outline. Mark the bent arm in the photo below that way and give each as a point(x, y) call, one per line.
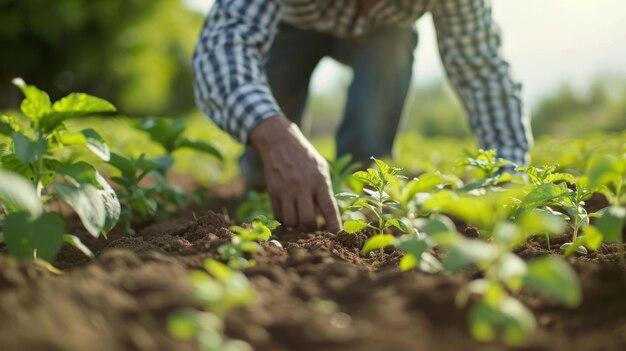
point(230, 83)
point(469, 44)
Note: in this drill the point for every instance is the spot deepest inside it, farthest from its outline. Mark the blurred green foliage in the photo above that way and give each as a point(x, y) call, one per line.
point(135, 53)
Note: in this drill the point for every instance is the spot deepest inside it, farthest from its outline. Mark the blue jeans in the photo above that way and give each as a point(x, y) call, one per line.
point(382, 63)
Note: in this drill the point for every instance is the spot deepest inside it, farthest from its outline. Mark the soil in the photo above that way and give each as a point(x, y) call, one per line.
point(316, 293)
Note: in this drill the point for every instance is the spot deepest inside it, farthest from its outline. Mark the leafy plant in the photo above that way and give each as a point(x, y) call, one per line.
point(245, 241)
point(256, 204)
point(218, 291)
point(606, 174)
point(497, 313)
point(492, 169)
point(341, 174)
point(376, 200)
point(33, 176)
point(145, 189)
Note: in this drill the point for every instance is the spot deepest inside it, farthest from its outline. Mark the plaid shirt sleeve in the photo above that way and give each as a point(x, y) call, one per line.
point(230, 83)
point(469, 44)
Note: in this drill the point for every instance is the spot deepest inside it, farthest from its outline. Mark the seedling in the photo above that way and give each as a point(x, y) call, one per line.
point(376, 200)
point(169, 134)
point(497, 313)
point(491, 169)
point(145, 189)
point(218, 291)
point(245, 241)
point(256, 204)
point(341, 174)
point(606, 175)
point(32, 176)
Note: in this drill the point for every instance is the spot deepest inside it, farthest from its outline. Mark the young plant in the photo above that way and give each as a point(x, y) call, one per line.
point(169, 134)
point(32, 176)
point(245, 242)
point(606, 175)
point(145, 189)
point(218, 291)
point(256, 204)
point(495, 312)
point(492, 169)
point(376, 200)
point(549, 191)
point(341, 174)
point(136, 197)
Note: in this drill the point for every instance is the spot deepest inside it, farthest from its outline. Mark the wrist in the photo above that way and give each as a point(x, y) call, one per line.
point(269, 132)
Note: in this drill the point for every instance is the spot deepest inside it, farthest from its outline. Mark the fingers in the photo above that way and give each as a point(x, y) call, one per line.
point(277, 208)
point(306, 211)
point(328, 207)
point(290, 214)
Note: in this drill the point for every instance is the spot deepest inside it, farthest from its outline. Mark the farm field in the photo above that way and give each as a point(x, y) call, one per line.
point(457, 255)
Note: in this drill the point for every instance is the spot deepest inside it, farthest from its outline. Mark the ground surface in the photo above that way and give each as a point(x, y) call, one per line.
point(315, 294)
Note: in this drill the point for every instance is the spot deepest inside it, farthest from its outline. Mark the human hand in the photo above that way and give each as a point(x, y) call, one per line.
point(297, 176)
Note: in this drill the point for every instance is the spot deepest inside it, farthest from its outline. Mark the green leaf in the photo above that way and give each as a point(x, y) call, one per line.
point(466, 253)
point(555, 278)
point(602, 170)
point(18, 194)
point(407, 262)
point(352, 226)
point(79, 173)
point(36, 103)
point(28, 150)
point(510, 318)
point(96, 143)
point(98, 209)
point(438, 224)
point(271, 224)
point(112, 207)
point(377, 242)
point(5, 128)
point(544, 193)
point(86, 201)
point(424, 183)
point(417, 255)
point(401, 224)
point(125, 165)
point(539, 221)
point(200, 146)
point(510, 269)
point(370, 177)
point(41, 237)
point(184, 325)
point(163, 132)
point(592, 240)
point(611, 223)
point(73, 106)
point(345, 196)
point(413, 245)
point(75, 242)
point(80, 104)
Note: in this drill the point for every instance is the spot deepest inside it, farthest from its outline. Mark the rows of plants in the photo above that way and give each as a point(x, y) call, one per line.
point(43, 164)
point(428, 217)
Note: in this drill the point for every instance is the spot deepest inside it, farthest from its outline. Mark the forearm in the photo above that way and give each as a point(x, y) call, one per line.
point(230, 83)
point(469, 43)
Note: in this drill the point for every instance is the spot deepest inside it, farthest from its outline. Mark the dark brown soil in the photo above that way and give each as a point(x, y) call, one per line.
point(316, 293)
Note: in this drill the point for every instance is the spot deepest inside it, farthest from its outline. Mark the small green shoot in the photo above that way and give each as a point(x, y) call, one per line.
point(218, 291)
point(245, 242)
point(376, 200)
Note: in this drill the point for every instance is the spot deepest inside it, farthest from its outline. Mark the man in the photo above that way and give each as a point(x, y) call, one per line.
point(232, 87)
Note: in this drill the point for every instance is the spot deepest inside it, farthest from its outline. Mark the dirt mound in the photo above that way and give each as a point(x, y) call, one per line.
point(316, 293)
